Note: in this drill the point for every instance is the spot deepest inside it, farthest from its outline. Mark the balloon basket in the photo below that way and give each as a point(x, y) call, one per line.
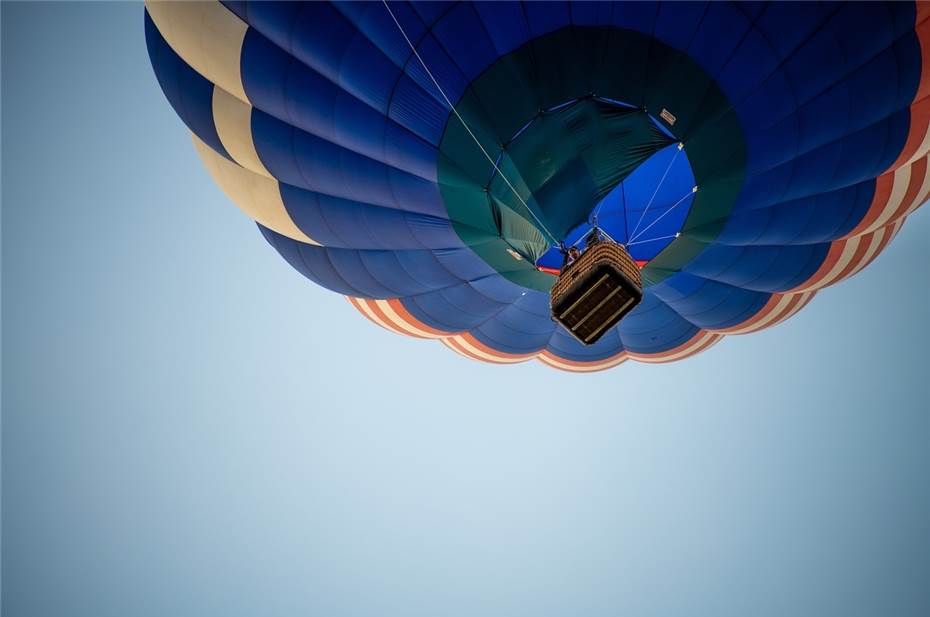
point(596, 291)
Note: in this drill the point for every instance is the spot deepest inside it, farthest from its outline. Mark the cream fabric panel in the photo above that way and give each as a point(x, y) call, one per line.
point(233, 121)
point(256, 195)
point(207, 35)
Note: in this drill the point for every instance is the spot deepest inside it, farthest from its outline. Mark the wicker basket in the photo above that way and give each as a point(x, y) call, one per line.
point(596, 291)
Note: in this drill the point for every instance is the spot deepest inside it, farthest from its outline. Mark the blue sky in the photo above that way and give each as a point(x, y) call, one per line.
point(191, 428)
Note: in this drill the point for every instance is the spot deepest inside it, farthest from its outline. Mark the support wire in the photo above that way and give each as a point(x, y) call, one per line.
point(661, 216)
point(658, 186)
point(552, 237)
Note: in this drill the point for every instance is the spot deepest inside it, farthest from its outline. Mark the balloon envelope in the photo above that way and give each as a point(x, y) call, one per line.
point(424, 159)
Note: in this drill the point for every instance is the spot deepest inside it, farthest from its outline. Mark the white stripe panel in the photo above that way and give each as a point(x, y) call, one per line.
point(902, 178)
point(922, 149)
point(680, 354)
point(890, 232)
point(590, 368)
point(448, 343)
point(402, 324)
point(874, 243)
point(849, 249)
point(922, 194)
point(483, 354)
point(772, 315)
point(207, 35)
point(805, 298)
point(362, 305)
point(896, 228)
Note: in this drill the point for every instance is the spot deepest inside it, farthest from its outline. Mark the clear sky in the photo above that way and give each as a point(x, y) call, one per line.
point(191, 428)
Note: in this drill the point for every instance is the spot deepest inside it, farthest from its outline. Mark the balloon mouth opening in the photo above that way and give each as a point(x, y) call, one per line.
point(645, 212)
point(644, 209)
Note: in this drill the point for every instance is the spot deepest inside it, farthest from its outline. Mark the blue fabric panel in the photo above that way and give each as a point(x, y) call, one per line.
point(415, 101)
point(566, 346)
point(523, 327)
point(759, 268)
point(312, 264)
point(741, 73)
point(639, 16)
point(501, 337)
point(706, 303)
point(352, 268)
point(441, 66)
point(424, 267)
point(472, 52)
point(343, 223)
point(296, 95)
point(464, 263)
point(852, 159)
point(430, 12)
point(373, 21)
point(303, 160)
point(888, 68)
point(769, 101)
point(425, 316)
point(906, 49)
point(476, 300)
point(546, 17)
point(372, 273)
point(454, 309)
point(654, 327)
point(416, 108)
point(903, 17)
point(322, 39)
point(505, 24)
point(722, 33)
point(535, 304)
point(590, 12)
point(749, 265)
point(810, 220)
point(870, 93)
point(753, 8)
point(659, 329)
point(497, 288)
point(406, 272)
point(678, 22)
point(838, 92)
point(787, 25)
point(189, 93)
point(857, 157)
point(840, 47)
point(650, 316)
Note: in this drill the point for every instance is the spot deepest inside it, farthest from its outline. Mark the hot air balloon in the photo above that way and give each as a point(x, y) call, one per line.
point(433, 162)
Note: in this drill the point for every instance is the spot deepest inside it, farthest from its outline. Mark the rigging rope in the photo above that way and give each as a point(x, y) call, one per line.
point(658, 186)
point(552, 237)
point(675, 235)
point(672, 207)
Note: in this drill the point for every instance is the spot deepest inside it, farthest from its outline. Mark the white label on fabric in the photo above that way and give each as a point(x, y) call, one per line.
point(515, 254)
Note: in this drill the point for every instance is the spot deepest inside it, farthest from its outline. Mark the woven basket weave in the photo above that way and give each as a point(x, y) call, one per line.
point(596, 291)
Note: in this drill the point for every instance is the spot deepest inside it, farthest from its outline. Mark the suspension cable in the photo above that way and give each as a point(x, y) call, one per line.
point(668, 237)
point(661, 216)
point(552, 237)
point(592, 220)
point(658, 186)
